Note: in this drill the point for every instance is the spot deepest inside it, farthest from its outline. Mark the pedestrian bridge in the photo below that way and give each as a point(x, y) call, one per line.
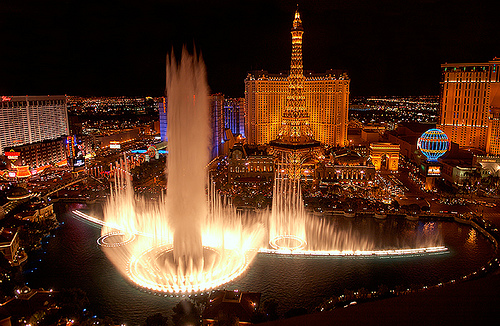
point(60, 186)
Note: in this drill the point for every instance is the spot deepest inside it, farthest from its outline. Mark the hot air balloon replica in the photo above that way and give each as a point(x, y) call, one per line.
point(433, 144)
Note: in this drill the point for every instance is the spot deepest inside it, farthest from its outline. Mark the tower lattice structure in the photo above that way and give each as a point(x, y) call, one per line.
point(295, 127)
point(295, 142)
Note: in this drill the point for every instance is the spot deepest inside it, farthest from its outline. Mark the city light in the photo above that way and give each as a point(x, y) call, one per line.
point(300, 187)
point(357, 253)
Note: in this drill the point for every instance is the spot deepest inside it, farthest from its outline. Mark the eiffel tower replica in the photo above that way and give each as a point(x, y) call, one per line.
point(295, 143)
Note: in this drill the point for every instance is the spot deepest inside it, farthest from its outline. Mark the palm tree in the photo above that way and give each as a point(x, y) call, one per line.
point(493, 182)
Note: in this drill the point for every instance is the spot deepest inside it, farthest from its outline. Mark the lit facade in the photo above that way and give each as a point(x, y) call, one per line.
point(324, 98)
point(327, 98)
point(9, 243)
point(493, 140)
point(468, 93)
point(456, 171)
point(234, 115)
point(249, 165)
point(162, 110)
point(346, 166)
point(225, 113)
point(30, 119)
point(384, 156)
point(265, 100)
point(40, 154)
point(217, 123)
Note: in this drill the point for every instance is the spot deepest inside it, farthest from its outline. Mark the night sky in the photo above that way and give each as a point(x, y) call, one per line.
point(114, 48)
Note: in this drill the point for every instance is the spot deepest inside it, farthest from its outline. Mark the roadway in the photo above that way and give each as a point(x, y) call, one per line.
point(413, 193)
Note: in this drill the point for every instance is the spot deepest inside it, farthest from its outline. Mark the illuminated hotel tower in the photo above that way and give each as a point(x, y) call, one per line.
point(470, 101)
point(234, 115)
point(162, 109)
point(217, 122)
point(31, 119)
point(321, 107)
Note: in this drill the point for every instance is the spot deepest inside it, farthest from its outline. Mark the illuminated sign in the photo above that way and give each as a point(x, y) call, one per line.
point(78, 162)
point(70, 141)
point(23, 171)
point(434, 170)
point(62, 163)
point(6, 99)
point(12, 174)
point(114, 144)
point(11, 155)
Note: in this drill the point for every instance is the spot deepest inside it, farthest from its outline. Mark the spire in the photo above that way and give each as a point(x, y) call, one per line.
point(297, 23)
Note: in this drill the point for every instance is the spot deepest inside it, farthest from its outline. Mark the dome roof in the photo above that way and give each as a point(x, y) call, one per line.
point(348, 157)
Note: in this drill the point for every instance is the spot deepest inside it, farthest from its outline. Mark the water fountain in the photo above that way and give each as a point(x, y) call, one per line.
point(288, 216)
point(186, 243)
point(190, 241)
point(294, 230)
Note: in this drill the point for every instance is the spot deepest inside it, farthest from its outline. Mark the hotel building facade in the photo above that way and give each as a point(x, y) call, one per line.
point(162, 110)
point(470, 104)
point(234, 115)
point(32, 119)
point(327, 101)
point(225, 113)
point(40, 154)
point(217, 122)
point(326, 98)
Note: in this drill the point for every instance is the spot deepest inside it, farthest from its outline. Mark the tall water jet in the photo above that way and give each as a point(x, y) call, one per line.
point(188, 134)
point(188, 241)
point(288, 216)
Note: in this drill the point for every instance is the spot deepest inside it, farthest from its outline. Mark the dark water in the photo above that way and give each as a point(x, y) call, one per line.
point(72, 259)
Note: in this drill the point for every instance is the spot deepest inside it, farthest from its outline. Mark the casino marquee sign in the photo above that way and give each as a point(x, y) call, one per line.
point(11, 155)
